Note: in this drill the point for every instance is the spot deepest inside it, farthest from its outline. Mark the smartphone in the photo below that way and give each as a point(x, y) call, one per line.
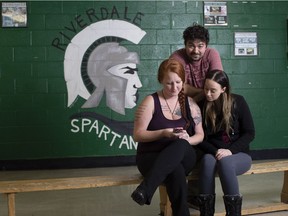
point(177, 130)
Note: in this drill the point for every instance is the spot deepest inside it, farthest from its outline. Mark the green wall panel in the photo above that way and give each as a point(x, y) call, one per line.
point(184, 20)
point(144, 7)
point(35, 119)
point(163, 21)
point(6, 55)
point(12, 38)
point(45, 7)
point(171, 7)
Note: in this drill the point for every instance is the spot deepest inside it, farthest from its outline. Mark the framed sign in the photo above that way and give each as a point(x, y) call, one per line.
point(14, 14)
point(215, 14)
point(245, 44)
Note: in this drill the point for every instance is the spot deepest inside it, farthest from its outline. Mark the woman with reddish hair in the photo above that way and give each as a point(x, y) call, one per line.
point(167, 126)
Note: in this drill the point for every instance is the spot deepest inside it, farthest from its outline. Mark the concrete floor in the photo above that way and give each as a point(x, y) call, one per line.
point(115, 201)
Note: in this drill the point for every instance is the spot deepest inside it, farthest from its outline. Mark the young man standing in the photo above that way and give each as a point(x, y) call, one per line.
point(197, 59)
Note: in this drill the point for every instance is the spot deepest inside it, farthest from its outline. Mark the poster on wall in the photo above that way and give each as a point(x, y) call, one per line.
point(245, 44)
point(215, 14)
point(14, 14)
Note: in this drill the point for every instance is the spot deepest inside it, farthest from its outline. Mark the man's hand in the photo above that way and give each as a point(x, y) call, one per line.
point(196, 93)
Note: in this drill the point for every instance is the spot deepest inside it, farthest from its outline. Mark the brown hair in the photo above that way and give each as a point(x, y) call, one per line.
point(196, 31)
point(223, 104)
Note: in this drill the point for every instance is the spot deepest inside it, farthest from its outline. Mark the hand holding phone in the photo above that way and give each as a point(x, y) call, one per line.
point(177, 130)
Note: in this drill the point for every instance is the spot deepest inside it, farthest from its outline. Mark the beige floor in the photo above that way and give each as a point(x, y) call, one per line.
point(116, 201)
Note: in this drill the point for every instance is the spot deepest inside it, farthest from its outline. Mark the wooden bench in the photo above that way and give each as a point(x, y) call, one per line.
point(258, 167)
point(11, 187)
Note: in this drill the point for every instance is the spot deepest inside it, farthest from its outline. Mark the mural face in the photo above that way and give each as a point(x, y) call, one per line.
point(109, 67)
point(129, 73)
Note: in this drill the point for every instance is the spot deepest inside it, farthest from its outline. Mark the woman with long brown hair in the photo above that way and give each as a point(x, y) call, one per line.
point(229, 129)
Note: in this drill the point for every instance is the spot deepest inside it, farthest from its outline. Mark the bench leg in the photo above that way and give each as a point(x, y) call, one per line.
point(11, 204)
point(163, 198)
point(284, 193)
point(165, 205)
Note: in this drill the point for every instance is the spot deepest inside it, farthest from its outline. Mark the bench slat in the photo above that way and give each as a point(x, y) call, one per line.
point(268, 167)
point(67, 183)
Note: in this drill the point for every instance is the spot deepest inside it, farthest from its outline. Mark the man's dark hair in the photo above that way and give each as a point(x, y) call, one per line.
point(196, 31)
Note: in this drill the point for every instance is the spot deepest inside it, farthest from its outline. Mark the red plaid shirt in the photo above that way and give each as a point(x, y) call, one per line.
point(196, 70)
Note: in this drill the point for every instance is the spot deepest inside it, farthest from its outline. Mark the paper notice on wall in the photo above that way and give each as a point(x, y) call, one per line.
point(245, 44)
point(215, 14)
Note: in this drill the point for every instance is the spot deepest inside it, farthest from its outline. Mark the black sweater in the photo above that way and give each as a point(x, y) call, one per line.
point(240, 137)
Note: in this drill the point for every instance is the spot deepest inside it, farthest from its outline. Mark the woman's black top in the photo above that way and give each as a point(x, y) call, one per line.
point(241, 134)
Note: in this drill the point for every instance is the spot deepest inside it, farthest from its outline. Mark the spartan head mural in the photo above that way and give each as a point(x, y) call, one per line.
point(97, 66)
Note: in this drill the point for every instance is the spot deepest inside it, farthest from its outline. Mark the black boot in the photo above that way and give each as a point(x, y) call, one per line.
point(233, 204)
point(139, 195)
point(206, 204)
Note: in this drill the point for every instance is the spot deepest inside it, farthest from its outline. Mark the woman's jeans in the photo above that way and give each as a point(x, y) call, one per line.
point(228, 168)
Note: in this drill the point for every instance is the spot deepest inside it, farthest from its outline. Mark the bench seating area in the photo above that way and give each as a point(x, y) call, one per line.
point(258, 167)
point(12, 187)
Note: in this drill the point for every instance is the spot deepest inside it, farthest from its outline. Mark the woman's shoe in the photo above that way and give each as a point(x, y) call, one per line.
point(233, 204)
point(206, 204)
point(139, 196)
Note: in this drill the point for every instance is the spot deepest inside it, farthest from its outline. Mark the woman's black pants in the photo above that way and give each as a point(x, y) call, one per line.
point(170, 166)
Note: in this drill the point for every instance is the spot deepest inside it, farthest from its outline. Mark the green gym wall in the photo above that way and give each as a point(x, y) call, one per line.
point(42, 112)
